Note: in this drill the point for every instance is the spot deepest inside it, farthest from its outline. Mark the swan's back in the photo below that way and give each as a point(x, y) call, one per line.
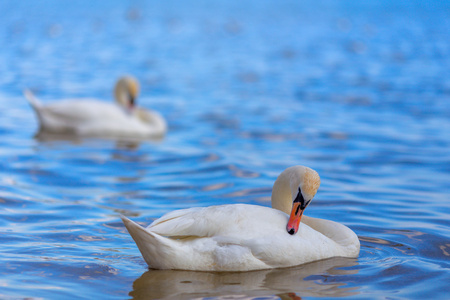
point(78, 110)
point(235, 220)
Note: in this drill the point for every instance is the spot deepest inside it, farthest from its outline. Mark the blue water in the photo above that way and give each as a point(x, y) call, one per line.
point(357, 90)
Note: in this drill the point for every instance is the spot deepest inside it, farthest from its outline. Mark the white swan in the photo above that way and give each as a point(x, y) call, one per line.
point(243, 237)
point(94, 118)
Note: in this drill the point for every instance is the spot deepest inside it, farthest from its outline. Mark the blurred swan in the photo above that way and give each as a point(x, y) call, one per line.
point(94, 118)
point(243, 237)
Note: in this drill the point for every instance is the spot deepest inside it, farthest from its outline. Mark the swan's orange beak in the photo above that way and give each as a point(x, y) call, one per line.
point(294, 219)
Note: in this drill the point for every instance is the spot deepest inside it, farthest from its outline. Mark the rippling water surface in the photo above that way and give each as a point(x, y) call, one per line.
point(359, 91)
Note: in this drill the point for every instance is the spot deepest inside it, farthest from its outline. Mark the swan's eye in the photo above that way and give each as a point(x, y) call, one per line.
point(299, 199)
point(131, 100)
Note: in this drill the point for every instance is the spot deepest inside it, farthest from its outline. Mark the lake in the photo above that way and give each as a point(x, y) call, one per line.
point(357, 90)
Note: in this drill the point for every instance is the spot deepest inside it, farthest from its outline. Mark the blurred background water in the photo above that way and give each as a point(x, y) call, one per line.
point(357, 90)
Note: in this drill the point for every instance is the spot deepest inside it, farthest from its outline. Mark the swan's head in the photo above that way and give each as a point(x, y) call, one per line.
point(293, 191)
point(304, 185)
point(126, 91)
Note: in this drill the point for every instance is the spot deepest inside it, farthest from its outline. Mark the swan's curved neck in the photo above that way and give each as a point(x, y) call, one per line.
point(120, 96)
point(281, 193)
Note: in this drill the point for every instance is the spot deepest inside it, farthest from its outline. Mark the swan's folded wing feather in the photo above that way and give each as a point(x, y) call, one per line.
point(181, 223)
point(77, 110)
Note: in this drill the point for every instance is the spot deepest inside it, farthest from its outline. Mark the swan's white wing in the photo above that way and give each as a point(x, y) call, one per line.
point(179, 223)
point(64, 115)
point(238, 237)
point(90, 117)
point(78, 115)
point(79, 110)
point(238, 221)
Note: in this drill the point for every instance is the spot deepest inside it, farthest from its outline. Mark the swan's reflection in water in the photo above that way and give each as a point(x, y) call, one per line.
point(287, 283)
point(45, 137)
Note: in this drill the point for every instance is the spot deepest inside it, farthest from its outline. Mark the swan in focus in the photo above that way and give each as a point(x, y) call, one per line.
point(242, 237)
point(94, 118)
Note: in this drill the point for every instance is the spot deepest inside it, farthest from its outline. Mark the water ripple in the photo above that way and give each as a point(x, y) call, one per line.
point(358, 91)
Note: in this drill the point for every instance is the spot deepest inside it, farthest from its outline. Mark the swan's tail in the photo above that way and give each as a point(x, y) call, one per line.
point(37, 107)
point(154, 248)
point(34, 102)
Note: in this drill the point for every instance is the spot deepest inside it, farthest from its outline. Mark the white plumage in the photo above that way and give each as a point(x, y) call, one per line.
point(94, 118)
point(243, 237)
